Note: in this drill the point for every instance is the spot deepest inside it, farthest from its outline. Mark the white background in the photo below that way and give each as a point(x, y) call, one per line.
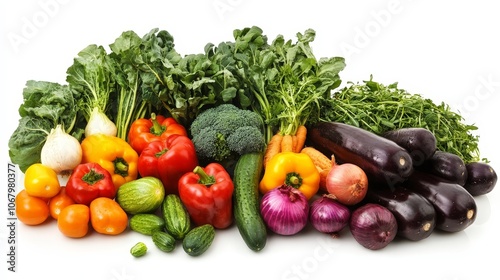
point(444, 50)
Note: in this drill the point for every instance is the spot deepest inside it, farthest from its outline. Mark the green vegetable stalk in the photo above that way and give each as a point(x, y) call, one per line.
point(91, 76)
point(129, 104)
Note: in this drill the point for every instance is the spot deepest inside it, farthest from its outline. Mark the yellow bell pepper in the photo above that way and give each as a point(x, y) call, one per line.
point(113, 154)
point(41, 181)
point(293, 169)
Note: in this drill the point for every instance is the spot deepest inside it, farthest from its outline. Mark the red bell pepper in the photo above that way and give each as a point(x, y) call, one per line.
point(144, 131)
point(168, 159)
point(89, 181)
point(207, 195)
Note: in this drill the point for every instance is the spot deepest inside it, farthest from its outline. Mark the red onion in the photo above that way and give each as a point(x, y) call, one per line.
point(347, 182)
point(285, 210)
point(373, 226)
point(328, 215)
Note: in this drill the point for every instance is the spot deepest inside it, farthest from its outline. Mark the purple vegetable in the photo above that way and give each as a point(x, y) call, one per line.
point(481, 178)
point(328, 215)
point(285, 210)
point(373, 226)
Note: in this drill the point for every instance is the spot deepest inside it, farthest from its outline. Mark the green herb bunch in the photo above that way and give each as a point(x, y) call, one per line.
point(380, 108)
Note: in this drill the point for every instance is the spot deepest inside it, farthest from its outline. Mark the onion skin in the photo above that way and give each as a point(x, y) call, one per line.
point(61, 151)
point(285, 210)
point(348, 183)
point(373, 226)
point(100, 123)
point(328, 215)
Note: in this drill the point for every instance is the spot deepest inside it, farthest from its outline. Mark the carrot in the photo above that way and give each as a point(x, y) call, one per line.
point(287, 143)
point(301, 137)
point(273, 147)
point(294, 144)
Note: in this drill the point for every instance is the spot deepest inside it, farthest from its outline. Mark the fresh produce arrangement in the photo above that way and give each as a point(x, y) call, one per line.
point(250, 133)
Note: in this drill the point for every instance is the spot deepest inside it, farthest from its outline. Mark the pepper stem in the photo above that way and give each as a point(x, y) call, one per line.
point(161, 153)
point(157, 129)
point(293, 179)
point(92, 177)
point(205, 179)
point(121, 167)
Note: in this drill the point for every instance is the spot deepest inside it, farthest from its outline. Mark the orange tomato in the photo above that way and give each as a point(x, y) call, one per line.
point(41, 181)
point(59, 202)
point(31, 210)
point(73, 221)
point(107, 216)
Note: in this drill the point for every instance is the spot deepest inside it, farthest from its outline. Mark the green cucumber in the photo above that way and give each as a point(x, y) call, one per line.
point(177, 221)
point(139, 249)
point(143, 195)
point(247, 174)
point(198, 240)
point(146, 223)
point(164, 241)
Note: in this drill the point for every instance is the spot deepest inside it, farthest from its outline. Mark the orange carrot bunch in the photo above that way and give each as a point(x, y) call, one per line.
point(285, 143)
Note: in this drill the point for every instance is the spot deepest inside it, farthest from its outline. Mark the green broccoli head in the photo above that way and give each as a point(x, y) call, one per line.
point(211, 144)
point(227, 131)
point(246, 139)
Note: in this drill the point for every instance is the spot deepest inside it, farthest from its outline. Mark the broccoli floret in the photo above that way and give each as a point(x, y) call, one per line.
point(226, 131)
point(205, 119)
point(211, 144)
point(239, 143)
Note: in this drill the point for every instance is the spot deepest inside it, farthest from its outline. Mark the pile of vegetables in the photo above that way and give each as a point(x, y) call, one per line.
point(248, 133)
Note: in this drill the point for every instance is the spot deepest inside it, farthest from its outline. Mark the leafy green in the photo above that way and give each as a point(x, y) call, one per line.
point(380, 108)
point(91, 76)
point(284, 80)
point(302, 81)
point(154, 73)
point(45, 105)
point(128, 103)
point(156, 61)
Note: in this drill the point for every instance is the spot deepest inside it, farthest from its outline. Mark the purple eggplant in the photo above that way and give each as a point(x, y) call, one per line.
point(414, 214)
point(455, 207)
point(481, 178)
point(419, 142)
point(384, 161)
point(447, 166)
